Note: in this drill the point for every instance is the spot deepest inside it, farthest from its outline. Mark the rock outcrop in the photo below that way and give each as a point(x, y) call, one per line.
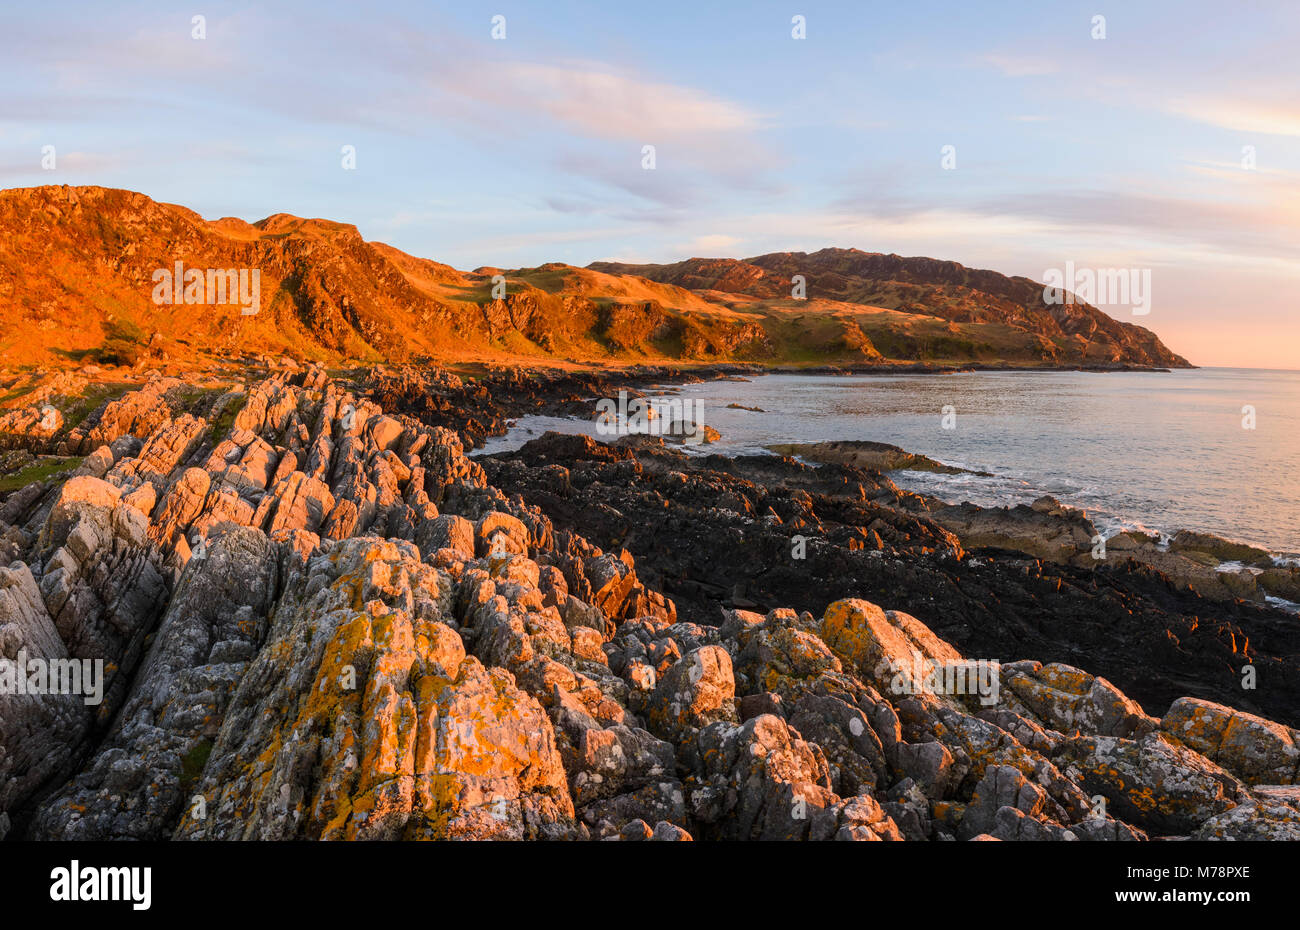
point(322, 621)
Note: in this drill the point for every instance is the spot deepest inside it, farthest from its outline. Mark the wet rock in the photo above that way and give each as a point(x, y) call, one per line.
point(1223, 550)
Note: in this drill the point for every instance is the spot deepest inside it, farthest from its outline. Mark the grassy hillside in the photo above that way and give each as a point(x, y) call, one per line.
point(78, 270)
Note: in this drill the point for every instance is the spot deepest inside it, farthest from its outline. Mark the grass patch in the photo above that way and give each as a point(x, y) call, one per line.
point(42, 470)
point(15, 395)
point(77, 409)
point(192, 763)
point(225, 422)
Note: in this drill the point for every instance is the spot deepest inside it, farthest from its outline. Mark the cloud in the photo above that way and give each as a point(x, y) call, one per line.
point(1021, 65)
point(1240, 113)
point(604, 104)
point(715, 244)
point(660, 186)
point(69, 166)
point(1241, 226)
point(701, 140)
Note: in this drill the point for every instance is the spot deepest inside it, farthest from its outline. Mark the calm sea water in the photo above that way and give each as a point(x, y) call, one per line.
point(1155, 451)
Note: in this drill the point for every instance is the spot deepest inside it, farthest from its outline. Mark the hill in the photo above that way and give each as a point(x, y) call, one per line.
point(111, 276)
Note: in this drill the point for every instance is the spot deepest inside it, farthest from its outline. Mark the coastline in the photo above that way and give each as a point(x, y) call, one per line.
point(694, 611)
point(1219, 566)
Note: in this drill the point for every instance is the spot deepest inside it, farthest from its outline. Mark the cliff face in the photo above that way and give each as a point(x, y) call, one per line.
point(80, 279)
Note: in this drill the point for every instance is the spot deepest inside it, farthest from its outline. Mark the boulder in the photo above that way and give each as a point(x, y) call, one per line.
point(698, 690)
point(1256, 750)
point(1152, 782)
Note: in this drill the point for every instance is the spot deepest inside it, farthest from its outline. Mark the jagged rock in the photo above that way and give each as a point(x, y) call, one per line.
point(755, 705)
point(670, 833)
point(612, 580)
point(331, 626)
point(101, 580)
point(1003, 786)
point(342, 520)
point(696, 691)
point(863, 819)
point(39, 733)
point(181, 504)
point(134, 787)
point(1068, 699)
point(169, 445)
point(1256, 750)
point(893, 651)
point(1271, 812)
point(373, 723)
point(384, 431)
point(446, 532)
point(976, 745)
point(138, 413)
point(1011, 823)
point(853, 750)
point(929, 765)
point(1151, 782)
point(297, 502)
point(759, 780)
point(618, 760)
point(500, 532)
point(784, 660)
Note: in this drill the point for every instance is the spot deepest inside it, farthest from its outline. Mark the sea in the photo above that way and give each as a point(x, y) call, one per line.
point(1215, 450)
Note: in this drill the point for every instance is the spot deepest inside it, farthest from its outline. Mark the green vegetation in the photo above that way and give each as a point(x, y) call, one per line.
point(123, 343)
point(76, 409)
point(42, 469)
point(192, 763)
point(14, 395)
point(225, 421)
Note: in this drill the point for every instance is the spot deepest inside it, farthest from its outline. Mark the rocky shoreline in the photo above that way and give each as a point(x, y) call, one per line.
point(319, 619)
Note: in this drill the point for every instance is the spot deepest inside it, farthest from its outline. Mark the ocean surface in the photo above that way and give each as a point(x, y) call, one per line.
point(1154, 451)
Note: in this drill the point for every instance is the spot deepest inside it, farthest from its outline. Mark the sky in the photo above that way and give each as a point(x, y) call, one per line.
point(1171, 144)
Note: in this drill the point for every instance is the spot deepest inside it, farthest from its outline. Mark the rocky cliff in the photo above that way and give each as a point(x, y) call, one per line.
point(320, 620)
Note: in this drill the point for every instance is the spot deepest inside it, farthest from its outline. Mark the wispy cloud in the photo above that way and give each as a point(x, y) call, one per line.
point(1022, 65)
point(605, 104)
point(1244, 112)
point(717, 244)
